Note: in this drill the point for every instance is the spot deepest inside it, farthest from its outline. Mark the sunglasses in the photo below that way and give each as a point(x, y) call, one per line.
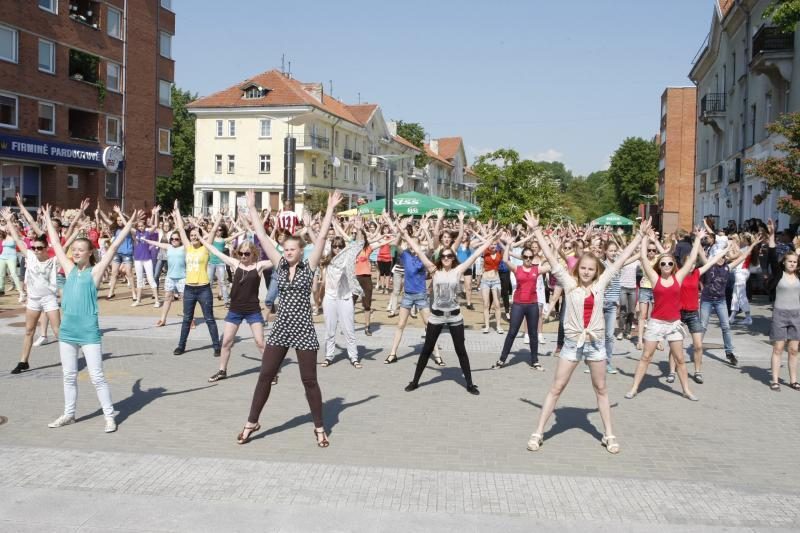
point(666, 263)
point(527, 257)
point(447, 256)
point(37, 248)
point(245, 254)
point(651, 250)
point(337, 247)
point(175, 239)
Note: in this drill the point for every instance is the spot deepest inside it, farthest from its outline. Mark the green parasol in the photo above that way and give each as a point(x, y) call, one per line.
point(612, 219)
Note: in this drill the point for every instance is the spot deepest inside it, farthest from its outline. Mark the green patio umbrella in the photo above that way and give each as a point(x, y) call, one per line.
point(462, 205)
point(612, 219)
point(408, 203)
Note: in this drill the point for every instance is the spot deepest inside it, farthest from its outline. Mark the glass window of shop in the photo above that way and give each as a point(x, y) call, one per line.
point(22, 179)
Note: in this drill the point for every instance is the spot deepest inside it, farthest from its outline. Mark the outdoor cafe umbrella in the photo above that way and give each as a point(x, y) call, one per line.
point(612, 219)
point(408, 203)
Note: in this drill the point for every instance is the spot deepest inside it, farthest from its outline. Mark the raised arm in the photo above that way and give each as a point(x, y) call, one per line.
point(31, 222)
point(100, 268)
point(533, 223)
point(427, 263)
point(228, 260)
point(713, 260)
point(691, 259)
point(65, 262)
point(209, 237)
point(162, 245)
point(261, 234)
point(7, 216)
point(178, 219)
point(628, 251)
point(460, 235)
point(647, 268)
point(462, 267)
point(319, 245)
point(749, 250)
point(506, 253)
point(437, 228)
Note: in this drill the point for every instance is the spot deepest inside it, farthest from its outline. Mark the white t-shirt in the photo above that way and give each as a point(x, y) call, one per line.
point(40, 276)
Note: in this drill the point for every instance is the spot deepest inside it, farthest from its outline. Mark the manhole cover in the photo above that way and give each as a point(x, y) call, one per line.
point(3, 420)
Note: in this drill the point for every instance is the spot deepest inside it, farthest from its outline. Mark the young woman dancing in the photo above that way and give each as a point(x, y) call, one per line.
point(175, 280)
point(80, 329)
point(144, 235)
point(294, 326)
point(786, 310)
point(584, 328)
point(665, 320)
point(445, 310)
point(198, 286)
point(40, 279)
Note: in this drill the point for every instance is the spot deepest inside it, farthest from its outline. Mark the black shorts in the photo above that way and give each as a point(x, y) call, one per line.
point(385, 268)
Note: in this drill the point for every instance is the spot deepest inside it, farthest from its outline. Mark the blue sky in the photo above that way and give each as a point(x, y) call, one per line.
point(564, 81)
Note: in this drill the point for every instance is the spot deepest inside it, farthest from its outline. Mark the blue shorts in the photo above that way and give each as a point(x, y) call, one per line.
point(236, 318)
point(410, 300)
point(123, 258)
point(490, 283)
point(692, 321)
point(645, 295)
point(592, 350)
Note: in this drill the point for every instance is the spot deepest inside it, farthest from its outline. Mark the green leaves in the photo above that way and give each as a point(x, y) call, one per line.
point(781, 173)
point(634, 172)
point(415, 134)
point(784, 13)
point(179, 185)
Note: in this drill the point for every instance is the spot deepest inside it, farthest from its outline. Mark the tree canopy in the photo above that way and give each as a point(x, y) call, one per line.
point(782, 173)
point(784, 13)
point(588, 198)
point(179, 185)
point(415, 134)
point(634, 172)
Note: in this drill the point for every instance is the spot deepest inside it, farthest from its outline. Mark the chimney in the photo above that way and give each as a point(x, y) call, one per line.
point(392, 125)
point(434, 144)
point(315, 90)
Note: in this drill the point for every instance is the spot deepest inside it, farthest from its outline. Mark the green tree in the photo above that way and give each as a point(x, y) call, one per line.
point(508, 186)
point(559, 172)
point(415, 134)
point(588, 198)
point(781, 173)
point(634, 172)
point(316, 201)
point(784, 13)
point(179, 185)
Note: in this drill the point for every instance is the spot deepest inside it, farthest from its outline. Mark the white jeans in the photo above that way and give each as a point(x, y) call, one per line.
point(739, 301)
point(144, 268)
point(93, 353)
point(339, 312)
point(221, 275)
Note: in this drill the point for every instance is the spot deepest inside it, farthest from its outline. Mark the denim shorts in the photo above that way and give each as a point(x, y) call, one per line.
point(645, 295)
point(658, 330)
point(236, 318)
point(410, 300)
point(592, 350)
point(174, 285)
point(785, 325)
point(490, 283)
point(692, 321)
point(123, 258)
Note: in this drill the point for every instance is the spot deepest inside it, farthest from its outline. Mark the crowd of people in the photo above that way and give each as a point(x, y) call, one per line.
point(598, 282)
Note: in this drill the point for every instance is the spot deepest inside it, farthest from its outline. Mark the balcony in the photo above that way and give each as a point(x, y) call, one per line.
point(357, 157)
point(712, 109)
point(83, 125)
point(312, 141)
point(83, 66)
point(348, 153)
point(773, 54)
point(86, 12)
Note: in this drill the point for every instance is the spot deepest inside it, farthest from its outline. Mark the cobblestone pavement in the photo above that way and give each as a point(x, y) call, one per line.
point(437, 456)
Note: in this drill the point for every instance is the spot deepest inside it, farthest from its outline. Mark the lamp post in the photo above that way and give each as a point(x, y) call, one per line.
point(389, 158)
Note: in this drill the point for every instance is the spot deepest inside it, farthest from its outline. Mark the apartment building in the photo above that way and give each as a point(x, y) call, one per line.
point(676, 165)
point(85, 100)
point(745, 74)
point(241, 132)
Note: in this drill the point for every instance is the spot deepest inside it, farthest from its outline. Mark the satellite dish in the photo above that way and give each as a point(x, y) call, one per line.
point(336, 162)
point(425, 185)
point(399, 182)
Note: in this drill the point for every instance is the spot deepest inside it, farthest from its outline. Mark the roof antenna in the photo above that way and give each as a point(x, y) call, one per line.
point(330, 87)
point(283, 63)
point(290, 69)
point(359, 98)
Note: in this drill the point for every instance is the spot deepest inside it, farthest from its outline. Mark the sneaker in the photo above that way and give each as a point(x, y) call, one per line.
point(611, 369)
point(748, 321)
point(41, 341)
point(470, 307)
point(500, 330)
point(546, 309)
point(178, 351)
point(21, 367)
point(218, 375)
point(111, 424)
point(587, 370)
point(732, 359)
point(21, 297)
point(61, 421)
point(157, 304)
point(135, 303)
point(486, 330)
point(526, 340)
point(619, 336)
point(507, 316)
point(217, 352)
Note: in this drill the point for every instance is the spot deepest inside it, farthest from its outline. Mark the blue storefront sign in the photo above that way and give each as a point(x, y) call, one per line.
point(50, 152)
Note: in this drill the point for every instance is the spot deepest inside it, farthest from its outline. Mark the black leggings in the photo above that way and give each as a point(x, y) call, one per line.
point(270, 364)
point(560, 336)
point(529, 312)
point(432, 332)
point(505, 289)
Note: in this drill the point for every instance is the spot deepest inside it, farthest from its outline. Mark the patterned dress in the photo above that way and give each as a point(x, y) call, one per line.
point(294, 327)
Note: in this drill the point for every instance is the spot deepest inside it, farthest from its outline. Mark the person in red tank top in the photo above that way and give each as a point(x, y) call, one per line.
point(665, 320)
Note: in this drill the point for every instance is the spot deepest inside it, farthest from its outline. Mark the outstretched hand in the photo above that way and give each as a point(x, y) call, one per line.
point(334, 199)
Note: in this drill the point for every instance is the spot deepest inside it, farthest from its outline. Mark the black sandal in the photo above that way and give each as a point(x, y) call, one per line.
point(356, 364)
point(324, 442)
point(795, 385)
point(774, 385)
point(221, 374)
point(325, 363)
point(391, 359)
point(274, 380)
point(498, 364)
point(242, 439)
point(439, 361)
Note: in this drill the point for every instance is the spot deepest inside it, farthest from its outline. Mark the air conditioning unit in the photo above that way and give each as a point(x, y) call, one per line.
point(72, 181)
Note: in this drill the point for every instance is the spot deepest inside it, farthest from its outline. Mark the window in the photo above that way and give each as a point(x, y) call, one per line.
point(346, 172)
point(266, 127)
point(47, 118)
point(768, 107)
point(254, 91)
point(223, 199)
point(20, 179)
point(49, 5)
point(165, 93)
point(112, 185)
point(355, 174)
point(313, 167)
point(112, 130)
point(219, 128)
point(8, 111)
point(231, 128)
point(166, 4)
point(165, 44)
point(164, 141)
point(114, 22)
point(113, 77)
point(753, 122)
point(218, 164)
point(8, 44)
point(264, 164)
point(47, 56)
point(231, 163)
point(336, 139)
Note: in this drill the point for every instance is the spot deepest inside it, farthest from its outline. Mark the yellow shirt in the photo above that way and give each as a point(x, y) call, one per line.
point(196, 265)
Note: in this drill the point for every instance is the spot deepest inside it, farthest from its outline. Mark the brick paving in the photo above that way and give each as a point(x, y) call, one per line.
point(722, 462)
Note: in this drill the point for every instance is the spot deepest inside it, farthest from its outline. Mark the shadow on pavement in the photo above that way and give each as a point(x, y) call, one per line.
point(567, 418)
point(331, 410)
point(655, 381)
point(757, 373)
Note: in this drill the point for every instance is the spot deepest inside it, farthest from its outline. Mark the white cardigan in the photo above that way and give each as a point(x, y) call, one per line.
point(574, 296)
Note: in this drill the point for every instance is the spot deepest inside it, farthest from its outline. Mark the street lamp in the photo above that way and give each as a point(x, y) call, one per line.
point(389, 158)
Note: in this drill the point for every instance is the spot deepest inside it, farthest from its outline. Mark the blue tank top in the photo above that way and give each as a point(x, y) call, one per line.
point(176, 263)
point(463, 254)
point(79, 322)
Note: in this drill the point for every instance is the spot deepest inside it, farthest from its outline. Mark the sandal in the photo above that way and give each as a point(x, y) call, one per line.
point(440, 362)
point(220, 374)
point(498, 364)
point(535, 442)
point(244, 439)
point(326, 363)
point(391, 359)
point(324, 442)
point(795, 385)
point(274, 380)
point(537, 366)
point(671, 377)
point(698, 377)
point(774, 385)
point(160, 324)
point(356, 364)
point(367, 332)
point(610, 443)
point(630, 395)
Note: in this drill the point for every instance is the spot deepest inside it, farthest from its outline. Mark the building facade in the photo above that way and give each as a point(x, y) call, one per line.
point(85, 100)
point(676, 165)
point(745, 76)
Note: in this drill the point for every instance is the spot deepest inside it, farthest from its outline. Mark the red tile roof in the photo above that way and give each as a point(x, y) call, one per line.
point(405, 142)
point(283, 91)
point(436, 156)
point(725, 6)
point(448, 146)
point(362, 112)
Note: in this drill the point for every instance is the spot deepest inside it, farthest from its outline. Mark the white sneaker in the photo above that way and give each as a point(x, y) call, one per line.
point(42, 340)
point(546, 309)
point(748, 321)
point(111, 424)
point(157, 304)
point(486, 330)
point(21, 297)
point(135, 303)
point(527, 339)
point(500, 330)
point(61, 421)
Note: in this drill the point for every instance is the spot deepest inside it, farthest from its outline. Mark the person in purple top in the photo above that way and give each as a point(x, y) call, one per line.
point(143, 258)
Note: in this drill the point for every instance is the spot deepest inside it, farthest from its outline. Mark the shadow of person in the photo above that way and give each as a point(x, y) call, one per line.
point(140, 398)
point(331, 410)
point(654, 381)
point(256, 369)
point(760, 374)
point(566, 418)
point(452, 373)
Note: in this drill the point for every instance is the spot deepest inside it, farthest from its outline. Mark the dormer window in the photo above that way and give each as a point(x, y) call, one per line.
point(252, 91)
